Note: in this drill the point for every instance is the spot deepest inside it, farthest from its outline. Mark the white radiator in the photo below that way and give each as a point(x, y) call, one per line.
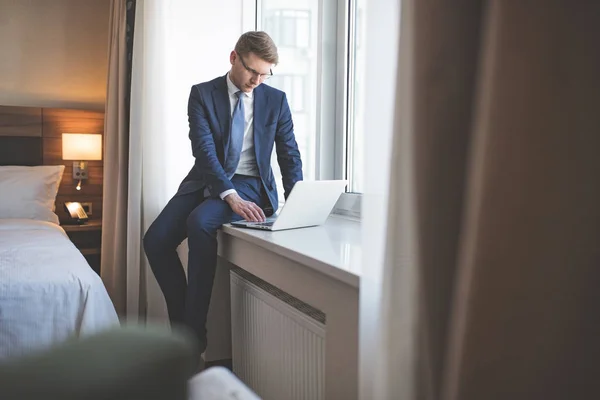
point(278, 346)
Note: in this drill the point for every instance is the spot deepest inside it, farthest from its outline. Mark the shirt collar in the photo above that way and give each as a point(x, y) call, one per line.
point(232, 89)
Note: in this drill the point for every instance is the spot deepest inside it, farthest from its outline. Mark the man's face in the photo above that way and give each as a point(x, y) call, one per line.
point(248, 72)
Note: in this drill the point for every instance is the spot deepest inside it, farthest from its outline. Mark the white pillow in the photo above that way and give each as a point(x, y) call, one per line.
point(29, 192)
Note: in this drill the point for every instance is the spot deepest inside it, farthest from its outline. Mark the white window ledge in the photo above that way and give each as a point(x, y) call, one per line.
point(333, 249)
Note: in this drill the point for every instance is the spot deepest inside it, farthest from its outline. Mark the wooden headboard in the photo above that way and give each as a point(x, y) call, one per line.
point(33, 136)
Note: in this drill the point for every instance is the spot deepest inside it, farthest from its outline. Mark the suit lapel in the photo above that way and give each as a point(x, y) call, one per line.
point(223, 110)
point(261, 101)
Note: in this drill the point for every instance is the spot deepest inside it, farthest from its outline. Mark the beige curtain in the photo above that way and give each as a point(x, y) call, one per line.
point(116, 156)
point(494, 216)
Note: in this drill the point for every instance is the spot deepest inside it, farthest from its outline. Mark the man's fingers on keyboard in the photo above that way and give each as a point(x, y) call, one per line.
point(257, 212)
point(261, 213)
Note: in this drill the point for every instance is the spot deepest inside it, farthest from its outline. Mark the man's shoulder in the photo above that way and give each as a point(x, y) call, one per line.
point(210, 85)
point(273, 93)
point(270, 90)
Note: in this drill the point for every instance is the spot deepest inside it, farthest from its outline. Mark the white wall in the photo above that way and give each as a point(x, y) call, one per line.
point(53, 53)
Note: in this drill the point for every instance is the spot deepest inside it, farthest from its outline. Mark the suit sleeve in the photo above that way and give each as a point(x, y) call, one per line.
point(288, 155)
point(203, 146)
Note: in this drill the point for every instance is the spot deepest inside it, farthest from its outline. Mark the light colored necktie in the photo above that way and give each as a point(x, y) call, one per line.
point(236, 138)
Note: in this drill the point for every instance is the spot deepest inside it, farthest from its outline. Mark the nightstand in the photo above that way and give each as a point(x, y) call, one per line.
point(88, 239)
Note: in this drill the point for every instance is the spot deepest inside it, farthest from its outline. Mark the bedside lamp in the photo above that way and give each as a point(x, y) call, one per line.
point(81, 147)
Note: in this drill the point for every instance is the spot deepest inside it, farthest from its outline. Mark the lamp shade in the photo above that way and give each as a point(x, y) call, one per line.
point(81, 146)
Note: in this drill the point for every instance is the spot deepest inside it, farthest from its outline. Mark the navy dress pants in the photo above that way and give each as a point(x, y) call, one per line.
point(198, 218)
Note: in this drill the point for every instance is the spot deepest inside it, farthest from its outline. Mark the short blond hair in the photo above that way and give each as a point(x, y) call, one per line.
point(259, 43)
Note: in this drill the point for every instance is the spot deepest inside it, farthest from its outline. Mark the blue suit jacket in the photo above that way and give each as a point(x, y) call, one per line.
point(209, 114)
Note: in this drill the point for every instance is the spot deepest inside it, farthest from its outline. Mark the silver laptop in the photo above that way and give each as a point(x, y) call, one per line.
point(309, 204)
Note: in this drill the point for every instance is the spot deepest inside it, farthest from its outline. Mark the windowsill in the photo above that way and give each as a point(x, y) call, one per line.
point(333, 249)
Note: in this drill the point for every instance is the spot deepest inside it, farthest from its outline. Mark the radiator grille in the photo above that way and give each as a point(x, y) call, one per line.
point(278, 344)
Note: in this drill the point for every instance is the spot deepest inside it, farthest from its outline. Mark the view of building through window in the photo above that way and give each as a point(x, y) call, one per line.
point(293, 26)
point(297, 27)
point(356, 89)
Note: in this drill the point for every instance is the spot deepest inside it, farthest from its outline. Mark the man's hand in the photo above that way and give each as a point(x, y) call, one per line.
point(246, 209)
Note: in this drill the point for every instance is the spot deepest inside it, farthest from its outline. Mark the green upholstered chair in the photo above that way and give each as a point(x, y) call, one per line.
point(130, 363)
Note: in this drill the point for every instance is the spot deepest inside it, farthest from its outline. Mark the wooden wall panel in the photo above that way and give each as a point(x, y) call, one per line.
point(20, 121)
point(58, 121)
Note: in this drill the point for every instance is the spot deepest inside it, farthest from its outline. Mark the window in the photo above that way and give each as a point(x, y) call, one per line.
point(321, 58)
point(356, 95)
point(292, 27)
point(296, 88)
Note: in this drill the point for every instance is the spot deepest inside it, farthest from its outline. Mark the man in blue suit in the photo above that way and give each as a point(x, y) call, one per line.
point(234, 123)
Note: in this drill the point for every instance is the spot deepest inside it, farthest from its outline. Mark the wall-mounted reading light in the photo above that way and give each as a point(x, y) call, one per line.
point(81, 147)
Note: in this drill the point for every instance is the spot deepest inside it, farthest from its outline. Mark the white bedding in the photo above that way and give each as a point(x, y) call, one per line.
point(218, 383)
point(48, 292)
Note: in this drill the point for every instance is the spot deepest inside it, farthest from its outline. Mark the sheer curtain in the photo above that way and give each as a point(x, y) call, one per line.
point(178, 43)
point(381, 43)
point(487, 280)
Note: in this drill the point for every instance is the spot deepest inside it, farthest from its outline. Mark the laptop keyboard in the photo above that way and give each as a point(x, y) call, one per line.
point(268, 223)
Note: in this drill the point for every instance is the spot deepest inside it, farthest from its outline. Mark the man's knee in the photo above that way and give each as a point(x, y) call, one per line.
point(150, 240)
point(155, 241)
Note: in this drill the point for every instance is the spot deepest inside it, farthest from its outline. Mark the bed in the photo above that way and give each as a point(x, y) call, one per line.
point(48, 292)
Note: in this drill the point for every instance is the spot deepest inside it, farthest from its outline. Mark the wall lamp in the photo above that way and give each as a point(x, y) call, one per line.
point(81, 147)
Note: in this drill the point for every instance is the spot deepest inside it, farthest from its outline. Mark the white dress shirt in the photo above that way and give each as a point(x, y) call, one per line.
point(247, 164)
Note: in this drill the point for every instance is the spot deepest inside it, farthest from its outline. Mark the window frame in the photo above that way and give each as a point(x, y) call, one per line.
point(349, 203)
point(334, 98)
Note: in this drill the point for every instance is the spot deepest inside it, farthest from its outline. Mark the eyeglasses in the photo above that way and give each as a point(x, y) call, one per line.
point(260, 76)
